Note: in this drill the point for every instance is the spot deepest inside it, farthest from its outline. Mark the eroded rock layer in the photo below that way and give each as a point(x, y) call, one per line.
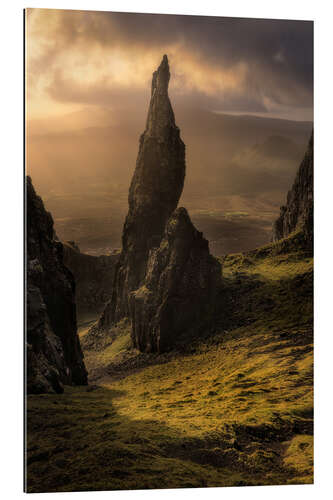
point(154, 194)
point(54, 355)
point(177, 296)
point(298, 211)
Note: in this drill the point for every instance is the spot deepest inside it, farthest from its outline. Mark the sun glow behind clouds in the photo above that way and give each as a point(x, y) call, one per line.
point(77, 59)
point(87, 67)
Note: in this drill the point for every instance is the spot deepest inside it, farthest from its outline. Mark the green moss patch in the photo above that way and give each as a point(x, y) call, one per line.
point(233, 408)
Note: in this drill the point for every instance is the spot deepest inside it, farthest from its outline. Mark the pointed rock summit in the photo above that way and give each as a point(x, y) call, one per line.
point(160, 114)
point(298, 211)
point(154, 194)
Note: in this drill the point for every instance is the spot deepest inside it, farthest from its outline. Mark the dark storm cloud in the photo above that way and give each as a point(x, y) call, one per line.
point(271, 61)
point(276, 47)
point(219, 39)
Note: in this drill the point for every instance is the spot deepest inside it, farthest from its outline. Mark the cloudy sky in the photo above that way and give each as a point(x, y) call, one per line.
point(88, 81)
point(78, 59)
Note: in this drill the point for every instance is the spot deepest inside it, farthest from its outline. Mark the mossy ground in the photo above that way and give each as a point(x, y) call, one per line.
point(234, 408)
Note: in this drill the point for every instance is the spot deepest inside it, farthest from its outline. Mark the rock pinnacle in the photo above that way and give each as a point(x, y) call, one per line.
point(154, 193)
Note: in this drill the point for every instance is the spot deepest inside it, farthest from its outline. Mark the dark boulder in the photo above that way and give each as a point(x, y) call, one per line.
point(177, 297)
point(54, 355)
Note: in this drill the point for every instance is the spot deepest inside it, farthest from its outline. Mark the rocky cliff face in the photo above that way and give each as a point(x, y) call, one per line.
point(298, 212)
point(177, 296)
point(54, 355)
point(93, 278)
point(154, 194)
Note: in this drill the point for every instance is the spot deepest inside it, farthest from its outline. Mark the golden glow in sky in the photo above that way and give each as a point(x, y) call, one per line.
point(76, 58)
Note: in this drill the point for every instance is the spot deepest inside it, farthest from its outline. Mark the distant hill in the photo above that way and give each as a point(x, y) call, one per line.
point(271, 152)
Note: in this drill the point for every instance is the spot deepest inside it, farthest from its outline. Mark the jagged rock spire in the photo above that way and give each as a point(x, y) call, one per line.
point(154, 193)
point(297, 214)
point(166, 281)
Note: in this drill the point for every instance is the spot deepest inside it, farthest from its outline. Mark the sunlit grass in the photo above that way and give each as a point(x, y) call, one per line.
point(234, 409)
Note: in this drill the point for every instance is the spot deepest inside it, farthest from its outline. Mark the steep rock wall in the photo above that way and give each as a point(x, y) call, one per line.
point(94, 277)
point(298, 211)
point(54, 355)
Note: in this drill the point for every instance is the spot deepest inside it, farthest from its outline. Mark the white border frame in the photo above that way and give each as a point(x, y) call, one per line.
point(11, 211)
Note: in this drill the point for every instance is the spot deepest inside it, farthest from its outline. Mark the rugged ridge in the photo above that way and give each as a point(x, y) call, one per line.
point(54, 355)
point(178, 293)
point(298, 211)
point(154, 193)
point(94, 277)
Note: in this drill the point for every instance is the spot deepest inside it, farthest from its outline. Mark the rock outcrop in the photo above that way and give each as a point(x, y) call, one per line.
point(54, 355)
point(177, 297)
point(94, 277)
point(298, 212)
point(154, 194)
point(166, 280)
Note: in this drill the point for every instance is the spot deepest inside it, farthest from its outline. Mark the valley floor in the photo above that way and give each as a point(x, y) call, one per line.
point(233, 408)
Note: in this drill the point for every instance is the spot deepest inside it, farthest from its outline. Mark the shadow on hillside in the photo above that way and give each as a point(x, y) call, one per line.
point(79, 441)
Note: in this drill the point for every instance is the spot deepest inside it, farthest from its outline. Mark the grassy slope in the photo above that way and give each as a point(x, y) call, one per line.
point(235, 408)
